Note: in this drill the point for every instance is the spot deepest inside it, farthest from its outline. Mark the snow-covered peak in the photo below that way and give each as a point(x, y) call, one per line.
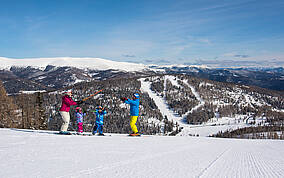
point(90, 63)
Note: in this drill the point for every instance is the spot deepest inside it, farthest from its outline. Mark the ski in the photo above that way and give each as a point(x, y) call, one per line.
point(70, 133)
point(139, 135)
point(63, 133)
point(92, 95)
point(80, 134)
point(83, 134)
point(102, 135)
point(92, 135)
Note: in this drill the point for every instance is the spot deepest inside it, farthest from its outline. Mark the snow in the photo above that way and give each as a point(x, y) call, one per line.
point(27, 153)
point(213, 126)
point(123, 105)
point(197, 96)
point(205, 84)
point(209, 129)
point(93, 74)
point(41, 77)
point(160, 102)
point(78, 81)
point(182, 65)
point(81, 63)
point(32, 92)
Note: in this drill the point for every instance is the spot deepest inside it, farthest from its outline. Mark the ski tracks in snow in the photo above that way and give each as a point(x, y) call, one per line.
point(202, 158)
point(212, 163)
point(125, 164)
point(250, 162)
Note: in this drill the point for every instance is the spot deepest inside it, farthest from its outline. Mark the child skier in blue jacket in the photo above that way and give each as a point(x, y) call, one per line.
point(134, 112)
point(100, 112)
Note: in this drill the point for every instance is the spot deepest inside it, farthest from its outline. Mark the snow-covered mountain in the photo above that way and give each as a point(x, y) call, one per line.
point(80, 63)
point(55, 73)
point(170, 104)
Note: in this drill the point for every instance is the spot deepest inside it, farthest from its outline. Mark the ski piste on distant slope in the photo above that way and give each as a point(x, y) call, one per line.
point(204, 129)
point(162, 104)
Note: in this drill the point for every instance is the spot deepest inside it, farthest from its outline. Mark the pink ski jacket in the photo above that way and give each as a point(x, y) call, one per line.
point(66, 103)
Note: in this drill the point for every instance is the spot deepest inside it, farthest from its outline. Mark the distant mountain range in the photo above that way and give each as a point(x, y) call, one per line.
point(55, 73)
point(270, 78)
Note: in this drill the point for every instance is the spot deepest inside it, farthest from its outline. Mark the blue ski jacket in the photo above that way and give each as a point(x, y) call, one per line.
point(134, 106)
point(100, 116)
point(79, 117)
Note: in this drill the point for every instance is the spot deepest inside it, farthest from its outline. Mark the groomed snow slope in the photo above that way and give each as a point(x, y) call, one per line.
point(26, 153)
point(90, 63)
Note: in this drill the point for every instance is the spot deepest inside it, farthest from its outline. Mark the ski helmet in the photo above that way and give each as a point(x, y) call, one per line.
point(136, 95)
point(78, 109)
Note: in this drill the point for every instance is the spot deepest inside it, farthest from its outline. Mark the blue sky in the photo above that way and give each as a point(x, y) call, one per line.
point(144, 31)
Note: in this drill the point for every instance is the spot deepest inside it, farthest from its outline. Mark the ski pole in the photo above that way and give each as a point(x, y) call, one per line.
point(92, 95)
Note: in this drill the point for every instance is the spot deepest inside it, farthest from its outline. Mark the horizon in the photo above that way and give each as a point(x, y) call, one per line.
point(210, 64)
point(148, 32)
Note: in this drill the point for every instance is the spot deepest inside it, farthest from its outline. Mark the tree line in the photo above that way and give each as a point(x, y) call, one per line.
point(260, 132)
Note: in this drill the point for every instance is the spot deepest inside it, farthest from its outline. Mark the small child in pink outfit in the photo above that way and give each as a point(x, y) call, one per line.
point(79, 117)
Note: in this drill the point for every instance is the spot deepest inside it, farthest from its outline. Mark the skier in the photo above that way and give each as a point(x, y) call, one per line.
point(134, 112)
point(99, 112)
point(64, 110)
point(79, 117)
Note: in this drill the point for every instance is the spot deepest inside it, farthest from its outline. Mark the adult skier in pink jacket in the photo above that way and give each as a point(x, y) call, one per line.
point(64, 110)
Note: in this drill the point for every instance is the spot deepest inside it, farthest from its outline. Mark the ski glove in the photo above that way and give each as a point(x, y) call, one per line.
point(123, 99)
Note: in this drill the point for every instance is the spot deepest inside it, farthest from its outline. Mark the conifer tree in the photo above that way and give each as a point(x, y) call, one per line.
point(8, 114)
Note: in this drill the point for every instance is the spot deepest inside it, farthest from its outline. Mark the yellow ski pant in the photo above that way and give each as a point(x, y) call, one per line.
point(133, 120)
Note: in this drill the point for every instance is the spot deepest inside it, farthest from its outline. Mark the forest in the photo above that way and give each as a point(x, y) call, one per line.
point(40, 110)
point(260, 132)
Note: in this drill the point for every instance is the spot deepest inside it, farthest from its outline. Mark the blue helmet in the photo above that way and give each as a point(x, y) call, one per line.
point(136, 95)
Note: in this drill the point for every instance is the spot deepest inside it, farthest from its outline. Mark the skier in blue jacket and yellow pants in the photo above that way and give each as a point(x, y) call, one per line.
point(134, 112)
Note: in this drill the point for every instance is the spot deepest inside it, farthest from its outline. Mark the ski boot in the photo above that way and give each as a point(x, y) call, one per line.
point(79, 133)
point(135, 134)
